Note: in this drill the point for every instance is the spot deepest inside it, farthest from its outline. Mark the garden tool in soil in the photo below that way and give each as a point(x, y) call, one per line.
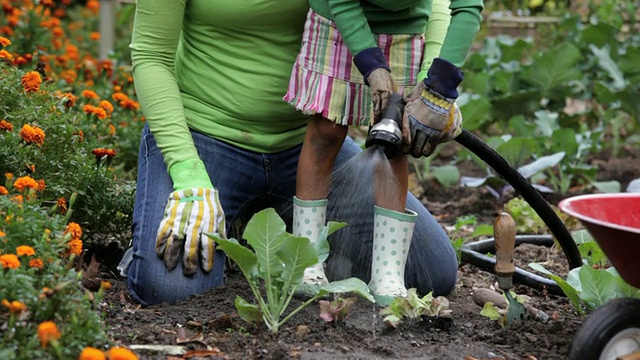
point(482, 296)
point(309, 218)
point(504, 235)
point(392, 234)
point(387, 132)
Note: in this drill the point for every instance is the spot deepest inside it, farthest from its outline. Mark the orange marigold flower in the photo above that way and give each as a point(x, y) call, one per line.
point(25, 182)
point(4, 41)
point(9, 261)
point(105, 285)
point(90, 94)
point(9, 176)
point(70, 99)
point(69, 75)
point(130, 104)
point(48, 331)
point(20, 60)
point(3, 190)
point(2, 233)
point(112, 129)
point(36, 263)
point(119, 97)
point(31, 81)
point(5, 125)
point(88, 109)
point(41, 185)
point(75, 246)
point(90, 353)
point(25, 250)
point(105, 104)
point(62, 205)
point(93, 5)
point(14, 306)
point(32, 134)
point(95, 36)
point(16, 199)
point(4, 54)
point(120, 353)
point(57, 31)
point(99, 112)
point(74, 229)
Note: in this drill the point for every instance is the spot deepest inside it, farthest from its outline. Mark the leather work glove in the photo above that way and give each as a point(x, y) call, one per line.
point(376, 73)
point(189, 215)
point(431, 116)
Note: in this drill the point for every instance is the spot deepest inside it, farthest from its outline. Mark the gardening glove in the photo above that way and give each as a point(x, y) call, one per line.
point(192, 211)
point(373, 67)
point(431, 115)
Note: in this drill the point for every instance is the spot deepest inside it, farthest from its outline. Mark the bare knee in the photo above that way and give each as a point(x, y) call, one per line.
point(325, 137)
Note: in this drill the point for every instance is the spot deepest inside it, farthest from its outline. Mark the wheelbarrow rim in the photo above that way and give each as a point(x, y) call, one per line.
point(566, 206)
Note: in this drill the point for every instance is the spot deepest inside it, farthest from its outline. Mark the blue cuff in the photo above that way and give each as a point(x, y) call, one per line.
point(368, 60)
point(444, 77)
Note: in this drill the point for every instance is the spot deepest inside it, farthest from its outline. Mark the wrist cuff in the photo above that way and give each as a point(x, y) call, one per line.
point(189, 174)
point(368, 60)
point(444, 77)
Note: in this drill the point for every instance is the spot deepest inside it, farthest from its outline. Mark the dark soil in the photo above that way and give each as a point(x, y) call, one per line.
point(207, 325)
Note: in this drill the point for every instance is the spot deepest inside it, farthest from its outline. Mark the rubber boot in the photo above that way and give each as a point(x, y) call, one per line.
point(392, 234)
point(309, 216)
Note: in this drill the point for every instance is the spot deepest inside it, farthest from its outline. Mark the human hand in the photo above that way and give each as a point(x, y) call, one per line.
point(382, 86)
point(189, 215)
point(431, 116)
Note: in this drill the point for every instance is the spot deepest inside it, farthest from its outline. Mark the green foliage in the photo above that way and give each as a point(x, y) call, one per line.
point(64, 160)
point(277, 262)
point(458, 240)
point(336, 310)
point(592, 284)
point(494, 313)
point(414, 307)
point(47, 284)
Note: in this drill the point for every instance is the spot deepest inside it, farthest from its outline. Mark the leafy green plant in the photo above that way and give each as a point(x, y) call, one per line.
point(592, 284)
point(414, 307)
point(495, 313)
point(458, 240)
point(277, 263)
point(336, 310)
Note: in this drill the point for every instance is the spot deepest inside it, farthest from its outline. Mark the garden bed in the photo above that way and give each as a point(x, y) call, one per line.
point(208, 324)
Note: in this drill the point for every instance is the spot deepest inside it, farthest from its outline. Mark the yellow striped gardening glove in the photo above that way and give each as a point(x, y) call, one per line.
point(189, 215)
point(431, 115)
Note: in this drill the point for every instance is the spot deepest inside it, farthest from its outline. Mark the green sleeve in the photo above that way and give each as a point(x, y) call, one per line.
point(465, 24)
point(348, 15)
point(156, 31)
point(435, 34)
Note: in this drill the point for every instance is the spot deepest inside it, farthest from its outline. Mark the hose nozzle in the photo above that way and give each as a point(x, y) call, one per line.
point(387, 132)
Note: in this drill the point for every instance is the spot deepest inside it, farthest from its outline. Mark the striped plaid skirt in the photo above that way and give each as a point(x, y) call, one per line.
point(325, 81)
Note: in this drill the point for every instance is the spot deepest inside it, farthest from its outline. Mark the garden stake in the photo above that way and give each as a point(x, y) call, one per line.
point(504, 237)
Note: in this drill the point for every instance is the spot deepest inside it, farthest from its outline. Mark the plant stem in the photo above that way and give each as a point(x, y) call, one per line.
point(296, 310)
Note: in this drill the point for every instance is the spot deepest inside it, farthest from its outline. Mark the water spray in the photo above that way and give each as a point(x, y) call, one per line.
point(387, 132)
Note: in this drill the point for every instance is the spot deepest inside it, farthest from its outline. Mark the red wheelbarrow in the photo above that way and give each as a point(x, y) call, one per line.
point(612, 331)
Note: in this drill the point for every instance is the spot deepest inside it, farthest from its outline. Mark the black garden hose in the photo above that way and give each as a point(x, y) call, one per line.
point(527, 191)
point(474, 253)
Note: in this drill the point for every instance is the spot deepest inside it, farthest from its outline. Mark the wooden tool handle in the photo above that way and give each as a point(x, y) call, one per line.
point(504, 235)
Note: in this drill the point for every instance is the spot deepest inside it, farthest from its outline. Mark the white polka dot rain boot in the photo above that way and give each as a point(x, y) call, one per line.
point(392, 235)
point(309, 217)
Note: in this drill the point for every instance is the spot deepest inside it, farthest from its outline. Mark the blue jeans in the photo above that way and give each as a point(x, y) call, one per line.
point(248, 182)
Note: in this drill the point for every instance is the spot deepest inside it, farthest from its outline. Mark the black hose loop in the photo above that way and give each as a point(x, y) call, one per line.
point(527, 191)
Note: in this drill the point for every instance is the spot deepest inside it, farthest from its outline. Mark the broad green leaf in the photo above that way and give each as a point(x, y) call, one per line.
point(564, 139)
point(297, 254)
point(598, 286)
point(392, 321)
point(476, 82)
point(554, 67)
point(573, 279)
point(517, 102)
point(599, 34)
point(514, 49)
point(582, 236)
point(248, 312)
point(612, 186)
point(517, 150)
point(475, 112)
point(483, 230)
point(624, 289)
point(520, 126)
point(446, 175)
point(350, 285)
point(322, 244)
point(265, 233)
point(540, 164)
point(245, 258)
point(490, 310)
point(546, 122)
point(568, 290)
point(609, 66)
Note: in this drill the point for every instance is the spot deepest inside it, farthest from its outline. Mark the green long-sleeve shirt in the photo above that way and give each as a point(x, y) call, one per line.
point(220, 67)
point(357, 21)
